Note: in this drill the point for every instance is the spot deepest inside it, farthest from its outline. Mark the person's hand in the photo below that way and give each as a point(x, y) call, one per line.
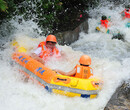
point(41, 61)
point(55, 70)
point(34, 56)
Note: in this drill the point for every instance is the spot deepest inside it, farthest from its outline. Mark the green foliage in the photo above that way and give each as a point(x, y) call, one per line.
point(44, 12)
point(53, 15)
point(3, 6)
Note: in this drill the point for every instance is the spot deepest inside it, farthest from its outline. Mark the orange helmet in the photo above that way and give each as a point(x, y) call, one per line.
point(85, 60)
point(51, 38)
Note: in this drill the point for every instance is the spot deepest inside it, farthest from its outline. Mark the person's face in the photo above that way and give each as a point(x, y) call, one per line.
point(50, 44)
point(127, 9)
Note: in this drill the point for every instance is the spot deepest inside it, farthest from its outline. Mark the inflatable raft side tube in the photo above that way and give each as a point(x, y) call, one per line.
point(46, 76)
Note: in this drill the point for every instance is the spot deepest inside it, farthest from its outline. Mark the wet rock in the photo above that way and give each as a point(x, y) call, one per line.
point(68, 37)
point(119, 36)
point(120, 100)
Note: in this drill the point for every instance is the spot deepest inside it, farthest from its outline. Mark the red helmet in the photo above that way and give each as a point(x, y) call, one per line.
point(51, 38)
point(85, 60)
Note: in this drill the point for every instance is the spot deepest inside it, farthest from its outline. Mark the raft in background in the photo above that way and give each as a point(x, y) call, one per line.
point(115, 34)
point(53, 82)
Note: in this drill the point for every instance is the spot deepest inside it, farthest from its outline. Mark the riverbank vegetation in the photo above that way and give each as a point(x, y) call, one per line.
point(54, 16)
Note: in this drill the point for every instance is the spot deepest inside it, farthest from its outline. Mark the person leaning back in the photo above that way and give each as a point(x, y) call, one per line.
point(80, 71)
point(46, 49)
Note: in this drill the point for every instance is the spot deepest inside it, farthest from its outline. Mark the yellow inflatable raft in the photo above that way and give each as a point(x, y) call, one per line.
point(53, 82)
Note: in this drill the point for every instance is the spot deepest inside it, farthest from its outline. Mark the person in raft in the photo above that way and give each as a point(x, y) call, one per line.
point(46, 49)
point(80, 71)
point(126, 12)
point(104, 21)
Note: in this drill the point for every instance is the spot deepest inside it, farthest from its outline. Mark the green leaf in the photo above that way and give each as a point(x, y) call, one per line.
point(3, 6)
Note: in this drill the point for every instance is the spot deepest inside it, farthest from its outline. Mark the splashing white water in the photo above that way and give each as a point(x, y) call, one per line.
point(110, 61)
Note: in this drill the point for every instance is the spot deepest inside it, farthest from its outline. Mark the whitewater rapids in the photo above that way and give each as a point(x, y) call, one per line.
point(110, 62)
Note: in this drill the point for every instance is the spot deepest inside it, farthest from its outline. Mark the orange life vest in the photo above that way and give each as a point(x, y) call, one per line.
point(104, 23)
point(127, 13)
point(83, 72)
point(45, 53)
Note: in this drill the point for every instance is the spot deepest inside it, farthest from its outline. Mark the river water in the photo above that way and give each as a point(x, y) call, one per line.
point(110, 62)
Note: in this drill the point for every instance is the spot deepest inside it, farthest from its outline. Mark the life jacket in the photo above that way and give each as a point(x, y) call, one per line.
point(104, 23)
point(45, 53)
point(83, 72)
point(127, 13)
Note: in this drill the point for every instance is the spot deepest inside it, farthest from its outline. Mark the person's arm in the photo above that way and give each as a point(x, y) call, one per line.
point(121, 12)
point(33, 55)
point(123, 18)
point(123, 15)
point(66, 73)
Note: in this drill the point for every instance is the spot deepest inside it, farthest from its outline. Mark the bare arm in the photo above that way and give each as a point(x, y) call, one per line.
point(123, 18)
point(66, 73)
point(121, 12)
point(33, 55)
